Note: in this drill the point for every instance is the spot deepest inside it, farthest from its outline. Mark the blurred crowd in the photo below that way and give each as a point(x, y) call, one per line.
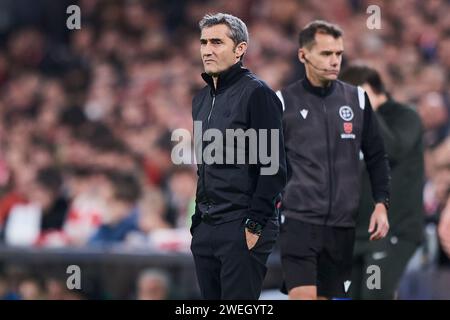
point(85, 133)
point(86, 115)
point(20, 284)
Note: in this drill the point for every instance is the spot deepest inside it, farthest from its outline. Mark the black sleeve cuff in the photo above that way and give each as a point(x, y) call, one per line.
point(384, 201)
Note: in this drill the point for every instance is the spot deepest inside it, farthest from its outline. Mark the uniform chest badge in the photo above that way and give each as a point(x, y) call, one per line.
point(348, 127)
point(346, 113)
point(348, 131)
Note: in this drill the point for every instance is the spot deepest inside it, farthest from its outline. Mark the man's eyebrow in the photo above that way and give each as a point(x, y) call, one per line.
point(211, 40)
point(331, 51)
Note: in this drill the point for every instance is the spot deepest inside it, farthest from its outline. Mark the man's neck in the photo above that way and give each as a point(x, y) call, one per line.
point(215, 77)
point(225, 76)
point(380, 100)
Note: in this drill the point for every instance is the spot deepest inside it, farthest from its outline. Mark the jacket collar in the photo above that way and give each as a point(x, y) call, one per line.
point(319, 91)
point(387, 104)
point(226, 78)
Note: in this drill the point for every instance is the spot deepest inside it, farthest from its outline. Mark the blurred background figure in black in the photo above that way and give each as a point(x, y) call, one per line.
point(401, 129)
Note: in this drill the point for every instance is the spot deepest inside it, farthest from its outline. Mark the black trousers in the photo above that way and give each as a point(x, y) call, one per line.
point(391, 255)
point(226, 268)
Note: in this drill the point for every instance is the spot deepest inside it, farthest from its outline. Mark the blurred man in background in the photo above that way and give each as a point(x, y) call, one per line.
point(121, 192)
point(444, 228)
point(41, 220)
point(401, 129)
point(153, 284)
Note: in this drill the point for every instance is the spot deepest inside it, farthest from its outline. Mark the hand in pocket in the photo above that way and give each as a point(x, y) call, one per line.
point(251, 239)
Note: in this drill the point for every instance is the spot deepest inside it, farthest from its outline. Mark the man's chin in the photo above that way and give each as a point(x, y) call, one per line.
point(331, 77)
point(212, 73)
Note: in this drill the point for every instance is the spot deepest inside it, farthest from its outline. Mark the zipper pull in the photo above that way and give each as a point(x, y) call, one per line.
point(212, 107)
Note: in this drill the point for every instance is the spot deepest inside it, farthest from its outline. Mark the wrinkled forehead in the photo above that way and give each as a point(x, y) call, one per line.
point(326, 42)
point(218, 31)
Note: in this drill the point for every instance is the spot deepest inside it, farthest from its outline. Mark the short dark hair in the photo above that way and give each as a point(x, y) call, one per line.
point(50, 178)
point(306, 38)
point(359, 74)
point(126, 186)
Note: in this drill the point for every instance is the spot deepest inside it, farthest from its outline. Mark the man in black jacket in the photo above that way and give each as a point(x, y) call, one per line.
point(326, 123)
point(401, 129)
point(235, 224)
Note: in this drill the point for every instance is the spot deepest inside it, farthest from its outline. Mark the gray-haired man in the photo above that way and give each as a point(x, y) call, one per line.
point(235, 225)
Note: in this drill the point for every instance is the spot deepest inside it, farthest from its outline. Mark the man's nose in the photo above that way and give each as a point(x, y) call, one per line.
point(206, 50)
point(334, 60)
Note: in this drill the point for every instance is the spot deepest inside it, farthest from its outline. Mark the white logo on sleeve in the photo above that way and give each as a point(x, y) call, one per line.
point(304, 113)
point(346, 113)
point(347, 285)
point(379, 255)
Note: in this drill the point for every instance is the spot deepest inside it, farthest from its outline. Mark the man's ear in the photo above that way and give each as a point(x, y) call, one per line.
point(301, 55)
point(240, 49)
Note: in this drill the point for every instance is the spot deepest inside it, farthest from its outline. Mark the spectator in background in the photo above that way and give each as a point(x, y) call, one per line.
point(121, 194)
point(434, 114)
point(401, 129)
point(48, 194)
point(5, 291)
point(153, 284)
point(31, 289)
point(87, 207)
point(444, 227)
point(40, 221)
point(153, 212)
point(3, 288)
point(181, 184)
point(35, 288)
point(19, 181)
point(436, 197)
point(154, 229)
point(56, 289)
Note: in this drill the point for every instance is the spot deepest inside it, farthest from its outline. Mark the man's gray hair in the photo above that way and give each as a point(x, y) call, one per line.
point(238, 30)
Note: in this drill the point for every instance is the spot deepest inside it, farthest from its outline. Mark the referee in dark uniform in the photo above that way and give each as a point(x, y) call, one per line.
point(235, 224)
point(327, 124)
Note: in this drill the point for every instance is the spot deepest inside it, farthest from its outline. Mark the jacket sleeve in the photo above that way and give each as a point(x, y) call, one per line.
point(265, 112)
point(375, 155)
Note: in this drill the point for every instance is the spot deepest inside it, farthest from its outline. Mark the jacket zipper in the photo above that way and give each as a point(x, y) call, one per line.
point(211, 110)
point(203, 165)
point(329, 164)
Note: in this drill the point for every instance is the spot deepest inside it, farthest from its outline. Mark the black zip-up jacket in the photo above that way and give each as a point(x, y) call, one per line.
point(401, 129)
point(227, 192)
point(325, 129)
